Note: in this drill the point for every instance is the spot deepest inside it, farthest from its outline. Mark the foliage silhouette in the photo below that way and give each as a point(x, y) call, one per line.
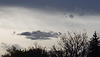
point(70, 45)
point(32, 52)
point(94, 48)
point(56, 52)
point(73, 45)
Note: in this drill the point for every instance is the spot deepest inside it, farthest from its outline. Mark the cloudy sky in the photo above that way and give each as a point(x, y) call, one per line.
point(23, 22)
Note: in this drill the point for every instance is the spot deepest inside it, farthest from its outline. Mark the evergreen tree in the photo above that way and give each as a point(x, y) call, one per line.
point(94, 48)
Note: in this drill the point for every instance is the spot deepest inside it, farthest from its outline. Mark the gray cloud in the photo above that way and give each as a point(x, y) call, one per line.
point(71, 16)
point(26, 33)
point(39, 35)
point(91, 6)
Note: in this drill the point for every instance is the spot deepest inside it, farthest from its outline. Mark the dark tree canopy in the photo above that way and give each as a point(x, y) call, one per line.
point(32, 52)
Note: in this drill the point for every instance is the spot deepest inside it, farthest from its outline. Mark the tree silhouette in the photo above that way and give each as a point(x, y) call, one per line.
point(73, 45)
point(94, 48)
point(32, 52)
point(56, 52)
point(70, 45)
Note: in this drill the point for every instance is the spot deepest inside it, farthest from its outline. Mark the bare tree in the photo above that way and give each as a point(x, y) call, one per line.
point(74, 45)
point(56, 52)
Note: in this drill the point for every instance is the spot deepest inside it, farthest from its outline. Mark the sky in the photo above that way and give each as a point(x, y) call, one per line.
point(25, 22)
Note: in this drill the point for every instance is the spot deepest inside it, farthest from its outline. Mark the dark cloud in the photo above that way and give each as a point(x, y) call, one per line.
point(69, 5)
point(39, 35)
point(26, 33)
point(71, 16)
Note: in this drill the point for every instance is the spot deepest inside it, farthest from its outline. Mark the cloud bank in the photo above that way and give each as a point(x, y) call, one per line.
point(40, 35)
point(80, 6)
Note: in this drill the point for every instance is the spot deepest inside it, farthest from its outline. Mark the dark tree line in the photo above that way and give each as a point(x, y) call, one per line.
point(70, 45)
point(32, 52)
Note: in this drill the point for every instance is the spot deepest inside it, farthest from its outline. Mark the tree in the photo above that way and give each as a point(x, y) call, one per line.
point(74, 45)
point(13, 52)
point(32, 52)
point(56, 52)
point(94, 48)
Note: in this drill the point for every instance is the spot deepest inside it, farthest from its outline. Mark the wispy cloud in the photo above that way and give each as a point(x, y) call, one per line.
point(29, 19)
point(6, 46)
